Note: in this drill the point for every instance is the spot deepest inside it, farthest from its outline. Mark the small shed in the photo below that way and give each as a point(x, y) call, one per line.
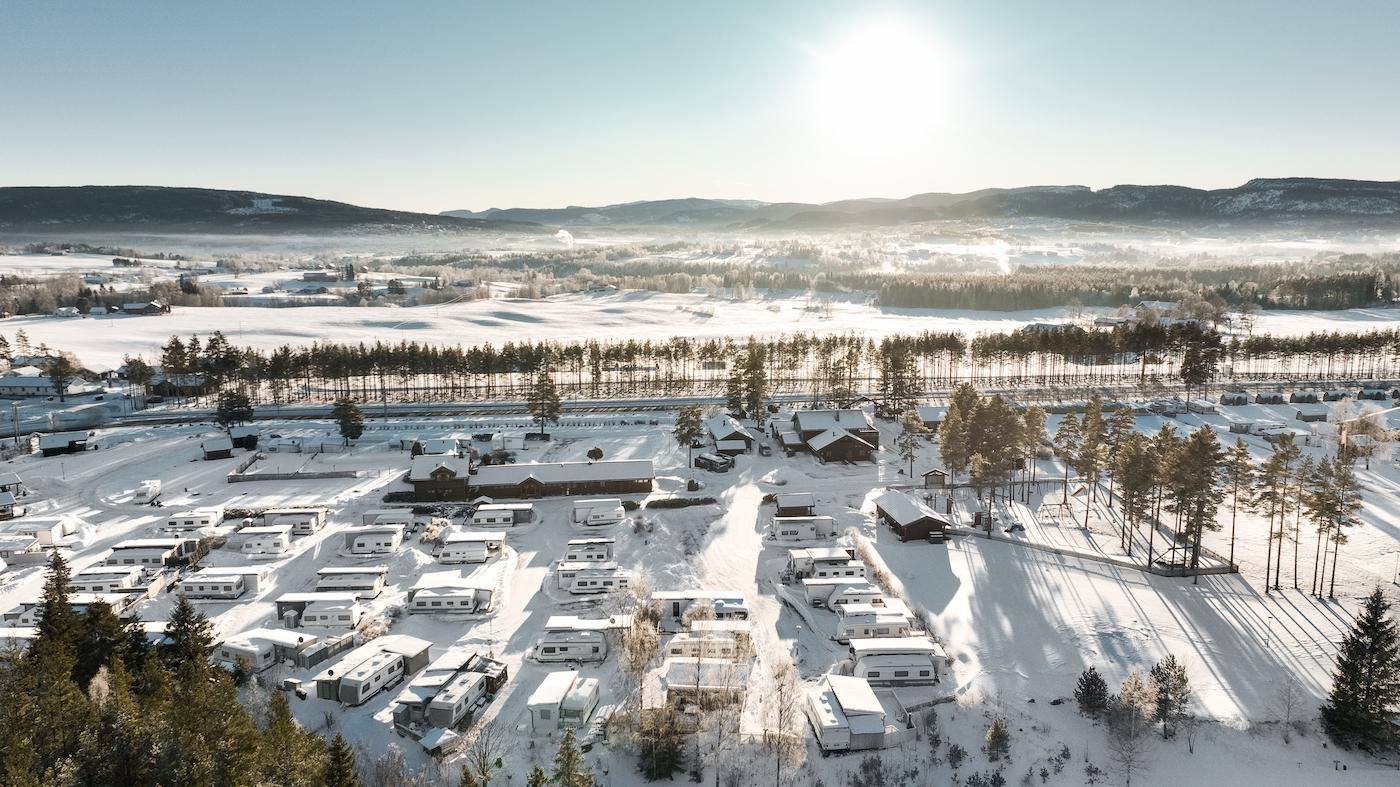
point(795, 504)
point(57, 443)
point(1234, 398)
point(908, 518)
point(1303, 397)
point(932, 415)
point(1335, 395)
point(245, 437)
point(217, 447)
point(1268, 397)
point(1311, 412)
point(936, 478)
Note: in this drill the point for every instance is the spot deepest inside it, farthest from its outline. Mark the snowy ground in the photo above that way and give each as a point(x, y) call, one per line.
point(1020, 623)
point(103, 341)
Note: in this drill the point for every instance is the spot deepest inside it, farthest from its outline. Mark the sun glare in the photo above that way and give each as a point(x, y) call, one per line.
point(883, 84)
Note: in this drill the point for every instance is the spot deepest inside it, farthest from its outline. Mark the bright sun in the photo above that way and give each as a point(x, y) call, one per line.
point(882, 85)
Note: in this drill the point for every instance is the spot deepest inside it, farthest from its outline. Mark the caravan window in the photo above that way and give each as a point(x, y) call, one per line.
point(874, 673)
point(901, 673)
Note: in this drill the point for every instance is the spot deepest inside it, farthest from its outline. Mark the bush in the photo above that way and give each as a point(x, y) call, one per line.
point(680, 502)
point(630, 505)
point(692, 485)
point(398, 497)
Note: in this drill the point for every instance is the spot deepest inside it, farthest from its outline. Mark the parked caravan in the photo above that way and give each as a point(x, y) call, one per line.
point(693, 645)
point(449, 591)
point(291, 607)
point(871, 625)
point(599, 579)
point(302, 521)
point(803, 562)
point(897, 669)
point(599, 511)
point(566, 570)
point(388, 516)
point(570, 638)
point(594, 550)
point(48, 530)
point(374, 540)
point(715, 463)
point(369, 669)
point(198, 519)
point(333, 613)
point(470, 546)
point(446, 694)
point(1267, 428)
point(273, 540)
point(847, 714)
point(673, 606)
point(850, 569)
point(831, 592)
point(261, 648)
point(562, 699)
point(456, 697)
point(502, 514)
point(213, 584)
point(148, 491)
point(151, 552)
point(803, 528)
point(106, 579)
point(366, 582)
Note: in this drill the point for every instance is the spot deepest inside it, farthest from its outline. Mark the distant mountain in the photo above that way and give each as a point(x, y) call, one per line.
point(1258, 201)
point(192, 210)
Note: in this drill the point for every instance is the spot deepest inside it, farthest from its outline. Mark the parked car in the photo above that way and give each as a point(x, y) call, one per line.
point(765, 450)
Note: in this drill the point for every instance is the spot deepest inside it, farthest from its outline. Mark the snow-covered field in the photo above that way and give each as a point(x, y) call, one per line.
point(1021, 623)
point(103, 341)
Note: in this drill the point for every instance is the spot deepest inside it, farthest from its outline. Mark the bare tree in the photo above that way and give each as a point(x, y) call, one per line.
point(1130, 717)
point(786, 746)
point(486, 752)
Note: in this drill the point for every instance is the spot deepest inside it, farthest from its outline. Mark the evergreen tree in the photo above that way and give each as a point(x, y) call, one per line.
point(569, 768)
point(57, 622)
point(543, 400)
point(1363, 708)
point(1136, 471)
point(1068, 441)
point(235, 407)
point(349, 421)
point(101, 638)
point(911, 432)
point(734, 388)
point(340, 769)
point(61, 372)
point(1032, 436)
point(952, 441)
point(998, 740)
point(1120, 425)
point(1173, 690)
point(190, 636)
point(1346, 494)
point(756, 383)
point(5, 353)
point(1091, 693)
point(1272, 496)
point(1093, 446)
point(660, 744)
point(1197, 494)
point(288, 747)
point(537, 777)
point(1239, 478)
point(689, 427)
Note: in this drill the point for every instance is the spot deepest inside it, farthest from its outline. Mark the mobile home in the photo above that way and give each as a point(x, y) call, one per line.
point(388, 516)
point(803, 528)
point(847, 714)
point(106, 579)
point(470, 546)
point(273, 540)
point(291, 607)
point(503, 514)
point(571, 638)
point(366, 582)
point(49, 530)
point(565, 571)
point(596, 550)
point(832, 592)
point(372, 667)
point(374, 540)
point(897, 669)
point(871, 625)
point(213, 584)
point(563, 699)
point(598, 511)
point(674, 606)
point(446, 693)
point(151, 551)
point(333, 613)
point(600, 580)
point(302, 521)
point(849, 569)
point(198, 519)
point(261, 648)
point(803, 562)
point(449, 591)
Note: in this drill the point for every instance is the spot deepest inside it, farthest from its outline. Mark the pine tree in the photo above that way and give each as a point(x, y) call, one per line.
point(1068, 440)
point(289, 749)
point(998, 740)
point(190, 638)
point(1173, 690)
point(689, 427)
point(340, 769)
point(660, 744)
point(1346, 492)
point(235, 407)
point(5, 353)
point(952, 441)
point(61, 371)
point(569, 769)
point(1032, 437)
point(543, 400)
point(58, 623)
point(1093, 447)
point(1135, 468)
point(1091, 693)
point(1120, 425)
point(911, 432)
point(734, 388)
point(1363, 708)
point(1239, 478)
point(349, 421)
point(756, 383)
point(537, 777)
point(101, 639)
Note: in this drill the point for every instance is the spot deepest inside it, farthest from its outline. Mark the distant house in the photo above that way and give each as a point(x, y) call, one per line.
point(729, 436)
point(16, 386)
point(1311, 412)
point(7, 505)
point(563, 478)
point(935, 478)
point(56, 443)
point(908, 518)
point(932, 415)
point(837, 435)
point(217, 447)
point(151, 308)
point(436, 477)
point(436, 447)
point(10, 482)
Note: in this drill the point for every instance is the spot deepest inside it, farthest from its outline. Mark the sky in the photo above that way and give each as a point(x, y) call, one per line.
point(434, 106)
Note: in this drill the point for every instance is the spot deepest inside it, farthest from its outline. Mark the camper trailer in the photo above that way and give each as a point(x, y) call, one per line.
point(833, 592)
point(896, 661)
point(443, 696)
point(333, 613)
point(374, 540)
point(366, 582)
point(388, 516)
point(847, 714)
point(803, 528)
point(563, 699)
point(213, 584)
point(600, 579)
point(273, 540)
point(871, 625)
point(106, 579)
point(565, 571)
point(502, 514)
point(261, 648)
point(804, 562)
point(199, 519)
point(152, 552)
point(598, 511)
point(48, 530)
point(302, 521)
point(371, 668)
point(594, 550)
point(674, 605)
point(848, 569)
point(148, 491)
point(449, 591)
point(469, 546)
point(570, 638)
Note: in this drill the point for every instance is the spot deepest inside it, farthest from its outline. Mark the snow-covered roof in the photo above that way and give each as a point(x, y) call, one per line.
point(448, 580)
point(934, 413)
point(820, 553)
point(553, 689)
point(243, 431)
point(813, 420)
point(9, 479)
point(438, 446)
point(220, 443)
point(425, 465)
point(564, 472)
point(721, 426)
point(150, 543)
point(351, 570)
point(437, 738)
point(7, 498)
point(706, 673)
point(61, 439)
point(904, 509)
point(832, 436)
point(855, 695)
point(576, 623)
point(458, 536)
point(795, 499)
